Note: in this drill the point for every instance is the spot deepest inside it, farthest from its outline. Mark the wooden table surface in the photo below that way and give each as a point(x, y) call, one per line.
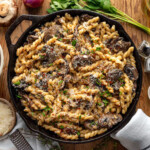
point(132, 8)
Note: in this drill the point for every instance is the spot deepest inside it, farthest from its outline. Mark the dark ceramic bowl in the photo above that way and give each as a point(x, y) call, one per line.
point(39, 20)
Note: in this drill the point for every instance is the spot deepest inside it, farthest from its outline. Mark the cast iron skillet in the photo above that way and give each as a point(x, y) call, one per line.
point(37, 21)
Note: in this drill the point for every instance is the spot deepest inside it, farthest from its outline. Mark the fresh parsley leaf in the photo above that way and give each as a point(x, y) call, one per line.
point(65, 91)
point(51, 64)
point(92, 123)
point(78, 133)
point(98, 48)
point(35, 80)
point(60, 39)
point(61, 127)
point(18, 96)
point(41, 56)
point(17, 83)
point(43, 113)
point(61, 81)
point(105, 101)
point(74, 43)
point(100, 104)
point(80, 117)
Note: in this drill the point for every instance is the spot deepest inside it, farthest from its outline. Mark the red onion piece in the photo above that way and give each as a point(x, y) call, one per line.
point(33, 3)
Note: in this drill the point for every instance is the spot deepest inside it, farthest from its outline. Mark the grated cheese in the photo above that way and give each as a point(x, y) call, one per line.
point(6, 118)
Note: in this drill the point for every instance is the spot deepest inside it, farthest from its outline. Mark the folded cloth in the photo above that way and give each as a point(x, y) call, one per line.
point(136, 134)
point(31, 137)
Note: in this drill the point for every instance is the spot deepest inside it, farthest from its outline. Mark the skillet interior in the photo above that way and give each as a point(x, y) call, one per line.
point(12, 51)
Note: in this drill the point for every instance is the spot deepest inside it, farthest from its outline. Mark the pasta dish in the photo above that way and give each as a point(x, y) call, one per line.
point(75, 76)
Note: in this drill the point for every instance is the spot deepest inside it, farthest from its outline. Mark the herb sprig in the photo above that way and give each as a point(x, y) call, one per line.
point(101, 6)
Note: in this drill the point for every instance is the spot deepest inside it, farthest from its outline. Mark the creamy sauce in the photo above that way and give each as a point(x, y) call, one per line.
point(6, 118)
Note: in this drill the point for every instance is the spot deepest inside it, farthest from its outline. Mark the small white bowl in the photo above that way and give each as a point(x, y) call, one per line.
point(1, 59)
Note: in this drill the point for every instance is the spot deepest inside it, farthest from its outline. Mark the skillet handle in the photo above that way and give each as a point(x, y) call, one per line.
point(33, 18)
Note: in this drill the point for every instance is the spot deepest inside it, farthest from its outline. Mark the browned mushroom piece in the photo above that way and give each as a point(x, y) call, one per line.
point(75, 37)
point(48, 56)
point(81, 60)
point(69, 131)
point(63, 68)
point(85, 18)
point(114, 75)
point(109, 120)
point(66, 80)
point(8, 12)
point(55, 30)
point(91, 125)
point(117, 44)
point(32, 38)
point(42, 84)
point(131, 71)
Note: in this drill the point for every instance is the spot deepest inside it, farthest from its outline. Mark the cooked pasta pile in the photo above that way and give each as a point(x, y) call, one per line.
point(76, 76)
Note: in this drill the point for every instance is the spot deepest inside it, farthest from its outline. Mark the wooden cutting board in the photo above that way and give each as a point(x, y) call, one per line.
point(132, 8)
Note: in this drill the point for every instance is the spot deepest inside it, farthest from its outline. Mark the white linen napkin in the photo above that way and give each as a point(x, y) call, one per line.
point(136, 134)
point(6, 144)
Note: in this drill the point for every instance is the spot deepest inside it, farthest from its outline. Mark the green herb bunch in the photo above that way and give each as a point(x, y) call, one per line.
point(101, 6)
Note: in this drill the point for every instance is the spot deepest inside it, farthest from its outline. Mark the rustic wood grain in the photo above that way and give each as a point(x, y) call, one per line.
point(132, 8)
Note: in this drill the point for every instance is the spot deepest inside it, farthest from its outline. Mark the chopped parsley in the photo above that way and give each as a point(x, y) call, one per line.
point(98, 82)
point(98, 48)
point(108, 94)
point(51, 64)
point(78, 133)
point(61, 127)
point(87, 87)
point(121, 80)
point(35, 80)
point(101, 77)
point(58, 116)
point(92, 51)
point(65, 91)
point(120, 93)
point(100, 104)
point(43, 113)
point(17, 83)
point(80, 117)
point(60, 39)
point(47, 108)
point(61, 81)
point(41, 56)
point(74, 43)
point(105, 101)
point(92, 123)
point(32, 113)
point(122, 85)
point(18, 96)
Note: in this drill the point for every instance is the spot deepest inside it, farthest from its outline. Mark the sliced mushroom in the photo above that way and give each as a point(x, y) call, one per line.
point(49, 57)
point(117, 44)
point(32, 38)
point(114, 75)
point(91, 125)
point(66, 80)
point(63, 68)
point(131, 71)
point(85, 18)
point(109, 120)
point(81, 60)
point(55, 30)
point(75, 37)
point(69, 131)
point(88, 38)
point(42, 84)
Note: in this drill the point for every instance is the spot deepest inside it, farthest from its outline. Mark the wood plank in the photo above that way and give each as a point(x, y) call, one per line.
point(132, 8)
